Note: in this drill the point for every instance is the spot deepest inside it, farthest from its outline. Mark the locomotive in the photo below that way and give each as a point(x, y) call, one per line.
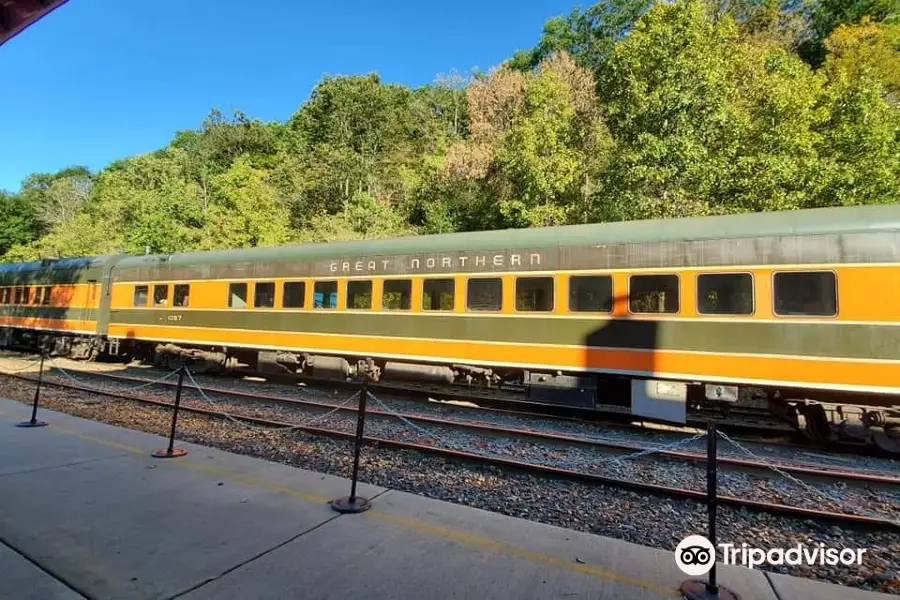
point(793, 314)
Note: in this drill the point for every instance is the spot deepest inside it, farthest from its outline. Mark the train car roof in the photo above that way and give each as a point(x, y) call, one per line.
point(54, 271)
point(771, 224)
point(54, 264)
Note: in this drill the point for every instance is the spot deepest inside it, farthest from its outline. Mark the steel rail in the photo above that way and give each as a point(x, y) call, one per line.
point(794, 511)
point(799, 470)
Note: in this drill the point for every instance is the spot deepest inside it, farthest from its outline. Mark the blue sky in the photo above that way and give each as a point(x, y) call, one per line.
point(98, 80)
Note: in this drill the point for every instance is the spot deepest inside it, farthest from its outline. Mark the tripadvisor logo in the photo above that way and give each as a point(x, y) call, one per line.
point(695, 555)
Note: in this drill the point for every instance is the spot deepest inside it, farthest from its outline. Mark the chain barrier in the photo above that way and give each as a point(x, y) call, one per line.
point(111, 390)
point(462, 448)
point(422, 430)
point(838, 502)
point(253, 426)
point(442, 440)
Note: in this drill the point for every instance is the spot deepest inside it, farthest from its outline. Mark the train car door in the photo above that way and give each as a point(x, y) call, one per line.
point(90, 305)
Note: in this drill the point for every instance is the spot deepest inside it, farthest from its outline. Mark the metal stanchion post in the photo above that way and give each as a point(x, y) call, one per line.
point(695, 589)
point(33, 422)
point(172, 451)
point(354, 503)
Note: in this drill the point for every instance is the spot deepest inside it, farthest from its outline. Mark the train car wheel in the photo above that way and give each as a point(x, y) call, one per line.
point(886, 442)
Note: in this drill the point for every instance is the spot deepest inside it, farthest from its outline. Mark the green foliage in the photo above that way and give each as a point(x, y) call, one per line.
point(364, 218)
point(626, 109)
point(588, 35)
point(861, 151)
point(19, 218)
point(866, 54)
point(828, 15)
point(249, 213)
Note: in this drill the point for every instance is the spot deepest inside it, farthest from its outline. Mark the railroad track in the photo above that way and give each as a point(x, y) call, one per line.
point(503, 399)
point(811, 471)
point(730, 463)
point(754, 423)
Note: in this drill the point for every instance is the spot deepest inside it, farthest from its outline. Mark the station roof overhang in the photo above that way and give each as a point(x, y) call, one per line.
point(17, 15)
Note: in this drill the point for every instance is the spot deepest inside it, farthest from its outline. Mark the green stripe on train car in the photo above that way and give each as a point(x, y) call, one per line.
point(836, 339)
point(49, 312)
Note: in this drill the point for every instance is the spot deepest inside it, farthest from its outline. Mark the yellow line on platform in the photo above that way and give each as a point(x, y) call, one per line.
point(411, 524)
point(194, 466)
point(489, 544)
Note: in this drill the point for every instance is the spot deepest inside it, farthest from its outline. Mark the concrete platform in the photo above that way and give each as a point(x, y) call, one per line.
point(85, 511)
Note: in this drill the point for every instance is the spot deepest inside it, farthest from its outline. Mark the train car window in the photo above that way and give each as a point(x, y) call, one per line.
point(237, 295)
point(325, 294)
point(438, 294)
point(534, 294)
point(294, 294)
point(161, 294)
point(182, 295)
point(590, 293)
point(264, 294)
point(140, 295)
point(4, 295)
point(359, 294)
point(653, 294)
point(397, 294)
point(725, 294)
point(810, 293)
point(484, 294)
point(26, 295)
point(36, 297)
point(17, 296)
point(47, 294)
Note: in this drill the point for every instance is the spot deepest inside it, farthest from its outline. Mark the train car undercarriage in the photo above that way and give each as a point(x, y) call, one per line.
point(828, 419)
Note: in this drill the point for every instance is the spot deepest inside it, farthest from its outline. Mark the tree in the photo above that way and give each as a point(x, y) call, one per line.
point(248, 214)
point(20, 224)
point(534, 140)
point(867, 53)
point(861, 140)
point(588, 36)
point(828, 15)
point(56, 196)
point(627, 109)
point(706, 121)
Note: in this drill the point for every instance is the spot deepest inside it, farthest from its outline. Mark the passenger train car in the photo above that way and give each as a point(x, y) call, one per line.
point(795, 313)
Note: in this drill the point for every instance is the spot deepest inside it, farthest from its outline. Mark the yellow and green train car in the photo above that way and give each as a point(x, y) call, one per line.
point(56, 301)
point(653, 318)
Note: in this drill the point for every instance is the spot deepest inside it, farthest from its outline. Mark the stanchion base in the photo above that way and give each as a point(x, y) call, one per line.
point(164, 453)
point(695, 589)
point(345, 505)
point(30, 424)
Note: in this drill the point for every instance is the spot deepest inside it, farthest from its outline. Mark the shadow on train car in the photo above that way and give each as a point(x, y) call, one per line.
point(623, 350)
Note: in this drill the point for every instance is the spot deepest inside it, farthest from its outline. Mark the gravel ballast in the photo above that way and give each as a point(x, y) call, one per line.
point(636, 517)
point(766, 486)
